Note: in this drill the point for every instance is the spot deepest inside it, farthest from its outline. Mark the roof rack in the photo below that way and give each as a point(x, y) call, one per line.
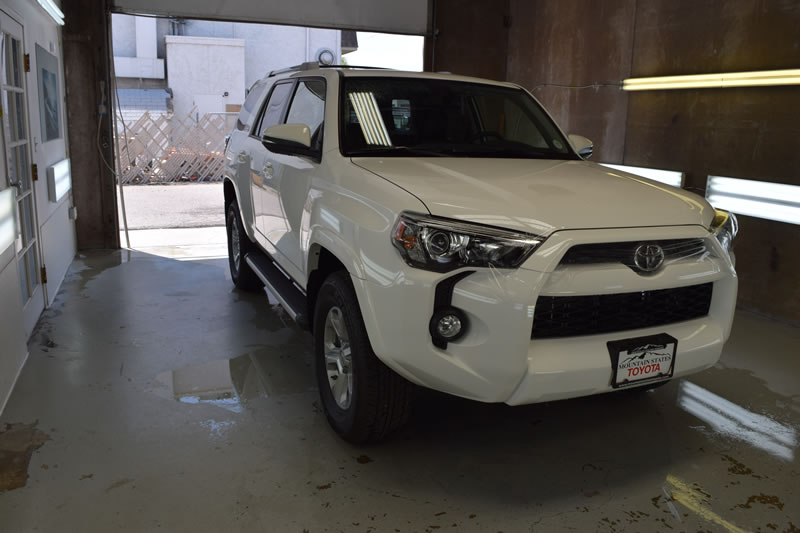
point(354, 66)
point(310, 65)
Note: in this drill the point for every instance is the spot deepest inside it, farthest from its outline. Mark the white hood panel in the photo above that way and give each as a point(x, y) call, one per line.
point(539, 196)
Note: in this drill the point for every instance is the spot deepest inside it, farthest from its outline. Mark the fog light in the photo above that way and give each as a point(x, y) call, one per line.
point(447, 325)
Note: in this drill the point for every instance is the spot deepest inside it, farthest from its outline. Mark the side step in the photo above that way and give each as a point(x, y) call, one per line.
point(286, 291)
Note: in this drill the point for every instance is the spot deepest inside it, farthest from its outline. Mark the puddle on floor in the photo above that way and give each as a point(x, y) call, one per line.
point(17, 444)
point(230, 383)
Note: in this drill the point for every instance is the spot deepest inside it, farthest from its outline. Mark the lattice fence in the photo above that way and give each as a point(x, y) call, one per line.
point(166, 148)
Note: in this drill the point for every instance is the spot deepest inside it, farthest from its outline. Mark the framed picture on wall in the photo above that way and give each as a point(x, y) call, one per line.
point(49, 101)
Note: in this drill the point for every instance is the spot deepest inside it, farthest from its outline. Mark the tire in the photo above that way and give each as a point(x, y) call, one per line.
point(374, 401)
point(239, 245)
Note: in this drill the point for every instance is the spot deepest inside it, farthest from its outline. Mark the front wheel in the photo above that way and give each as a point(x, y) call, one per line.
point(239, 245)
point(364, 400)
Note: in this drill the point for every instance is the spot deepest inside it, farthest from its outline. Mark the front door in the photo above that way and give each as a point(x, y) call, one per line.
point(292, 174)
point(16, 149)
point(265, 200)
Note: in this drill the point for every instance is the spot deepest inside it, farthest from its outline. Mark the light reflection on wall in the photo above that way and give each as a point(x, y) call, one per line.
point(8, 226)
point(736, 422)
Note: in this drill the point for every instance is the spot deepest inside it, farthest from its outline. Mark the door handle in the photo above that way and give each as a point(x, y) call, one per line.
point(268, 169)
point(17, 185)
point(242, 157)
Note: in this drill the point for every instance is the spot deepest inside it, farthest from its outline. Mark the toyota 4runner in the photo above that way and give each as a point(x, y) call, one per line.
point(441, 230)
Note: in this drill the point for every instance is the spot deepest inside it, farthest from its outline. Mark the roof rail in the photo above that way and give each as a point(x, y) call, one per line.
point(309, 65)
point(354, 66)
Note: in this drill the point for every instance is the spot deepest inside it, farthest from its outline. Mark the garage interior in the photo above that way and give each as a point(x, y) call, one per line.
point(98, 435)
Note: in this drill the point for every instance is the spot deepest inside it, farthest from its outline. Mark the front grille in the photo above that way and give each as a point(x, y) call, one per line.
point(623, 252)
point(570, 316)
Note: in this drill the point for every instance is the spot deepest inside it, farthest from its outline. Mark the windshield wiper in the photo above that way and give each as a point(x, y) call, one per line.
point(510, 149)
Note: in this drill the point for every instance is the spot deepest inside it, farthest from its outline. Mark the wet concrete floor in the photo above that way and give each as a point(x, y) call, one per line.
point(157, 397)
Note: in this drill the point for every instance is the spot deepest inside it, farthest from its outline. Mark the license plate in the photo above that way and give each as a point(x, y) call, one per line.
point(642, 359)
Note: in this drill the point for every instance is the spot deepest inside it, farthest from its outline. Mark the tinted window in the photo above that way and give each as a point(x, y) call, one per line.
point(273, 108)
point(245, 119)
point(417, 117)
point(308, 107)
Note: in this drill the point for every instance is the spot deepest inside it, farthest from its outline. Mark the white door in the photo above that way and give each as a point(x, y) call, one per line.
point(292, 174)
point(265, 199)
point(16, 148)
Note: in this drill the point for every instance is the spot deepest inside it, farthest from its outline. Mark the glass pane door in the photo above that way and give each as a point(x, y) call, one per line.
point(16, 140)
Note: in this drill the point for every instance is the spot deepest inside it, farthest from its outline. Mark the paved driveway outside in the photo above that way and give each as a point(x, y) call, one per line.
point(186, 205)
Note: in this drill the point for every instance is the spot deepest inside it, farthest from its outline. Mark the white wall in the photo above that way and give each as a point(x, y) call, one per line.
point(202, 69)
point(134, 45)
point(124, 35)
point(269, 46)
point(58, 251)
point(266, 46)
point(13, 350)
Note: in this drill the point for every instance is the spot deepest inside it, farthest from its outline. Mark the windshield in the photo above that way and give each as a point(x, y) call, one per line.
point(416, 117)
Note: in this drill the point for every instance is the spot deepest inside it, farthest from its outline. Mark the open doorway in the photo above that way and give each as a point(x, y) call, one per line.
point(179, 86)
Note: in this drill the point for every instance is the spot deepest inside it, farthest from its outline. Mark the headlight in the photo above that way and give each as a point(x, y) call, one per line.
point(725, 226)
point(442, 245)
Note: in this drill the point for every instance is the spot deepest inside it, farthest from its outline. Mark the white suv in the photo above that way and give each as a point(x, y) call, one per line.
point(441, 230)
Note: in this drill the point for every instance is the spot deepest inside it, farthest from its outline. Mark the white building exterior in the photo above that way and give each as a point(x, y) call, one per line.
point(208, 65)
point(206, 74)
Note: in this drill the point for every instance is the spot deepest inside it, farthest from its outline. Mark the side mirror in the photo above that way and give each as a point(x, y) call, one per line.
point(582, 145)
point(293, 135)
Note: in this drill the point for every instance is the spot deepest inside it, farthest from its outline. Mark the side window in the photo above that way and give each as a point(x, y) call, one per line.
point(273, 107)
point(308, 107)
point(506, 118)
point(247, 113)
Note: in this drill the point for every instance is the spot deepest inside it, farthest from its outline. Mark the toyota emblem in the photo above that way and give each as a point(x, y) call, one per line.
point(648, 257)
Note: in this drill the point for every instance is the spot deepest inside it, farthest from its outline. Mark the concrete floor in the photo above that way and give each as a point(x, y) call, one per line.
point(157, 397)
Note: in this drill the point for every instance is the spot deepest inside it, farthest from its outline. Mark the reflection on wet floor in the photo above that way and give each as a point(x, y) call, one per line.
point(231, 383)
point(736, 422)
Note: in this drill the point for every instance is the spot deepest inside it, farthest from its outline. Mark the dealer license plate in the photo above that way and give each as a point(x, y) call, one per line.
point(642, 359)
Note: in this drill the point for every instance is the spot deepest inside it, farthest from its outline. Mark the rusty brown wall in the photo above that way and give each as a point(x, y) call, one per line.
point(471, 38)
point(87, 80)
point(556, 44)
point(749, 132)
point(740, 132)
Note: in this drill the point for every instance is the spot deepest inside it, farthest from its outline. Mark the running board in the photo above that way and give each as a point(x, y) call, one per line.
point(286, 291)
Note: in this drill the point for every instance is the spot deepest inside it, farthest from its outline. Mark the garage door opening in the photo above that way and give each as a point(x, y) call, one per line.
point(179, 86)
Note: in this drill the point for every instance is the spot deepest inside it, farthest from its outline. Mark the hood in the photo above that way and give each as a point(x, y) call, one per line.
point(540, 196)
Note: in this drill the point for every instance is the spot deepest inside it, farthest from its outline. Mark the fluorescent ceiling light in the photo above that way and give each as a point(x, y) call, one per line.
point(53, 10)
point(669, 177)
point(727, 79)
point(762, 199)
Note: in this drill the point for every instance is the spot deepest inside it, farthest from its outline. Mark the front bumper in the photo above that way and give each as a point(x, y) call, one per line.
point(497, 361)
